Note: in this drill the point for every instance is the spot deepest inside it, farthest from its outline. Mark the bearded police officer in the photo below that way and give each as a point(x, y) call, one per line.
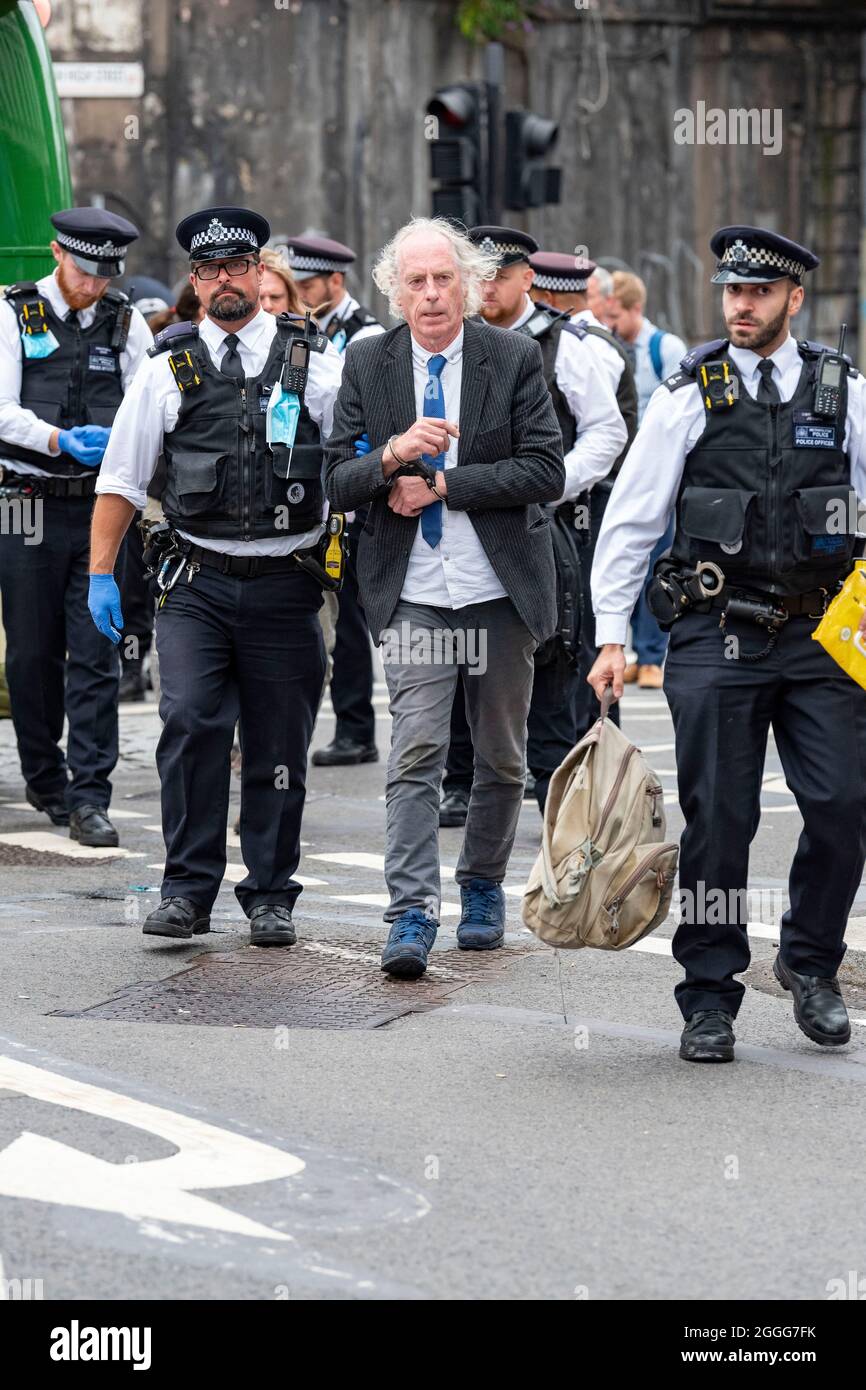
point(753, 445)
point(593, 435)
point(320, 265)
point(561, 281)
point(236, 630)
point(69, 346)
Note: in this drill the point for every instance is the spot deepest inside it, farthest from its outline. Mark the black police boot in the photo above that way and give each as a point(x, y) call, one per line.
point(53, 806)
point(89, 825)
point(343, 752)
point(271, 925)
point(176, 917)
point(818, 1005)
point(453, 807)
point(132, 682)
point(708, 1037)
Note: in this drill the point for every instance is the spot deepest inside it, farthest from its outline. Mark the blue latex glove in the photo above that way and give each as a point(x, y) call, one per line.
point(103, 601)
point(362, 446)
point(86, 443)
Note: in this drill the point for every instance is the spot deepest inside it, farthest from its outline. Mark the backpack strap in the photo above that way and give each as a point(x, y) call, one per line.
point(655, 352)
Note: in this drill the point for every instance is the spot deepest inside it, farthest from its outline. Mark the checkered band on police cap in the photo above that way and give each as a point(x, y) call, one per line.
point(562, 284)
point(316, 263)
point(216, 233)
point(105, 250)
point(738, 256)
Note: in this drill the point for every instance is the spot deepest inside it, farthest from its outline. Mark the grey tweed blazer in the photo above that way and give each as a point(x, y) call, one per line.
point(509, 459)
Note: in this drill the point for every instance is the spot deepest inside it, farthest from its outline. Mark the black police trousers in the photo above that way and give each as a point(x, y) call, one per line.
point(229, 649)
point(56, 659)
point(352, 680)
point(723, 709)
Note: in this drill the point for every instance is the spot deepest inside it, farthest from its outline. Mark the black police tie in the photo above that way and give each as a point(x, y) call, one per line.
point(72, 319)
point(768, 391)
point(231, 364)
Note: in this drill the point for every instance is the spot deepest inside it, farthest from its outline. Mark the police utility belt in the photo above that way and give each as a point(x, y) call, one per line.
point(14, 484)
point(675, 589)
point(167, 554)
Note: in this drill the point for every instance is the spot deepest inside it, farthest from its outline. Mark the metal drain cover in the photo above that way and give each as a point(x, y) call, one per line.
point(311, 985)
point(852, 978)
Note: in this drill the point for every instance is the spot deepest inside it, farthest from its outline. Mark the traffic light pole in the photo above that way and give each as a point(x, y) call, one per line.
point(494, 78)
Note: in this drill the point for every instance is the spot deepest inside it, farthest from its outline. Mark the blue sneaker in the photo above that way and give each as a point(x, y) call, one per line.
point(409, 940)
point(482, 921)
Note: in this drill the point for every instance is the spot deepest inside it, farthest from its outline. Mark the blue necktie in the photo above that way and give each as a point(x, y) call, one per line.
point(434, 404)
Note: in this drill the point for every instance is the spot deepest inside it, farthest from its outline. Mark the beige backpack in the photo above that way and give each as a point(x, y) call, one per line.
point(604, 876)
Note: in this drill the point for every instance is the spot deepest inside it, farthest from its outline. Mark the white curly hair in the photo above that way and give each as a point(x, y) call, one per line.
point(473, 264)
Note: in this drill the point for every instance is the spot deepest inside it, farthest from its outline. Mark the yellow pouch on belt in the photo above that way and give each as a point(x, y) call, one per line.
point(838, 629)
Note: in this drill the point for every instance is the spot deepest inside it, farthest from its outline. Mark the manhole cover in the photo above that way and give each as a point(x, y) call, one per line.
point(19, 855)
point(852, 978)
point(313, 985)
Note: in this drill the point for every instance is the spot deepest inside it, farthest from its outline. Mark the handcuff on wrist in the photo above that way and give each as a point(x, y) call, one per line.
point(416, 468)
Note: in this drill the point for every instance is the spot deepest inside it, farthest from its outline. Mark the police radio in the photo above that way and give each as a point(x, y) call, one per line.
point(832, 367)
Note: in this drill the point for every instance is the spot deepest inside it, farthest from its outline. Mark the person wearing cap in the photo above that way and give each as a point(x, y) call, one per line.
point(69, 347)
point(238, 634)
point(734, 447)
point(320, 266)
point(562, 282)
point(594, 435)
point(455, 564)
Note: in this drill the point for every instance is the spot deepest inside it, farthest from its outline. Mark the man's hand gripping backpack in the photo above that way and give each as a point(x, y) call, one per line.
point(605, 874)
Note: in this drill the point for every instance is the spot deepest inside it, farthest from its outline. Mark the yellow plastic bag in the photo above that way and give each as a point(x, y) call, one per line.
point(838, 631)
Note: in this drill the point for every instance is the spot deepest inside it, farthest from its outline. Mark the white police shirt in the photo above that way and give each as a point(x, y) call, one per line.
point(606, 353)
point(601, 433)
point(644, 494)
point(344, 310)
point(151, 409)
point(21, 426)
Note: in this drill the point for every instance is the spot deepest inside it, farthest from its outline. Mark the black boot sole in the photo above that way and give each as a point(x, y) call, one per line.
point(715, 1054)
point(95, 841)
point(813, 1034)
point(405, 969)
point(175, 931)
point(273, 938)
point(371, 757)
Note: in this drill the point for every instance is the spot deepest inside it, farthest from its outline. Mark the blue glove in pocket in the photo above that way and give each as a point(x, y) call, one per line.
point(35, 345)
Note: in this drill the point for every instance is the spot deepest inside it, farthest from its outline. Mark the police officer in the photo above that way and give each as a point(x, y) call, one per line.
point(69, 346)
point(237, 634)
point(749, 453)
point(562, 282)
point(593, 436)
point(320, 265)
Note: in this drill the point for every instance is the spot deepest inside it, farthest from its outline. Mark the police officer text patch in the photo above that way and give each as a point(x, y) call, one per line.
point(811, 432)
point(101, 359)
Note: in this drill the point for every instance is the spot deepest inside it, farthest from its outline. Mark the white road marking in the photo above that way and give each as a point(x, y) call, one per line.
point(46, 843)
point(657, 747)
point(383, 899)
point(356, 859)
point(38, 1169)
point(235, 872)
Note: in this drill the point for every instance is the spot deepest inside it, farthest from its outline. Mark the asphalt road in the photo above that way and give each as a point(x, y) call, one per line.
point(528, 1133)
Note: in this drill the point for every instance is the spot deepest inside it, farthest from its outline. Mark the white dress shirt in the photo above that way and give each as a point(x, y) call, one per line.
point(21, 426)
point(585, 384)
point(344, 310)
point(646, 489)
point(457, 571)
point(672, 350)
point(605, 352)
point(151, 409)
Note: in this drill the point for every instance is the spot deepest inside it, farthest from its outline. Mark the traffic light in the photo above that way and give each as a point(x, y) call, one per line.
point(529, 183)
point(457, 127)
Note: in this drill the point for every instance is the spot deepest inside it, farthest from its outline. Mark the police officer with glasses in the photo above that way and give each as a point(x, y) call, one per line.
point(754, 446)
point(69, 347)
point(237, 630)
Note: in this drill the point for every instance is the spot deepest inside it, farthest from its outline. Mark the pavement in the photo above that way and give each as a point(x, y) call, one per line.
point(201, 1120)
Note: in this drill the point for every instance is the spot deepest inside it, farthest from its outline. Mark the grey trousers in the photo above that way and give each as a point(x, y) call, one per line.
point(421, 652)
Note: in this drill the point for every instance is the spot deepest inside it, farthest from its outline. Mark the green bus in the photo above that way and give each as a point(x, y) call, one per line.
point(34, 170)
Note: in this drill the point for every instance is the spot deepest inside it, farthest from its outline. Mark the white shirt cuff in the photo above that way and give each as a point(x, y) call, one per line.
point(610, 627)
point(137, 496)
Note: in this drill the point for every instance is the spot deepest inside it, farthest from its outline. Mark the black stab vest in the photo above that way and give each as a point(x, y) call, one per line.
point(78, 384)
point(220, 475)
point(766, 490)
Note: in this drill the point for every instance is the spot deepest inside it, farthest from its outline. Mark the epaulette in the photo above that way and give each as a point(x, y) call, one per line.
point(689, 364)
point(20, 287)
point(807, 348)
point(113, 296)
point(578, 329)
point(542, 320)
point(172, 336)
point(318, 341)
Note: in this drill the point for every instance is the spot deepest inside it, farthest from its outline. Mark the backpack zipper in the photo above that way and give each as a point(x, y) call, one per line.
point(613, 906)
point(617, 783)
